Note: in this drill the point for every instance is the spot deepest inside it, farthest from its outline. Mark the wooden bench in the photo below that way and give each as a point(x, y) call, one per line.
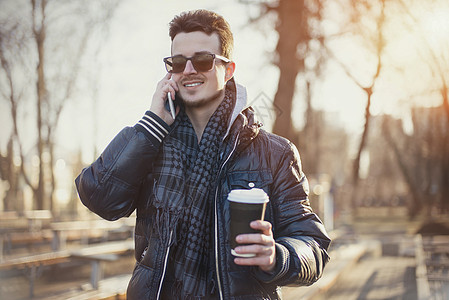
point(8, 215)
point(113, 288)
point(33, 264)
point(83, 230)
point(432, 265)
point(36, 218)
point(10, 223)
point(9, 240)
point(26, 221)
point(96, 254)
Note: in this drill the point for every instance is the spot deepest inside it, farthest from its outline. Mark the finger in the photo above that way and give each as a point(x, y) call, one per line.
point(259, 250)
point(263, 226)
point(167, 78)
point(165, 88)
point(164, 80)
point(255, 238)
point(169, 88)
point(173, 84)
point(254, 261)
point(166, 83)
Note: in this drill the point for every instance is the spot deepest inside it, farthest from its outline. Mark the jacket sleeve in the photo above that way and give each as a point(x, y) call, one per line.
point(301, 239)
point(110, 186)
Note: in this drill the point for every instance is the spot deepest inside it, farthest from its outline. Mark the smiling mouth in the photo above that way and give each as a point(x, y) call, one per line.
point(193, 84)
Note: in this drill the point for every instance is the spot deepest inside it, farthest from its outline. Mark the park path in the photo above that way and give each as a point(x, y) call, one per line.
point(373, 258)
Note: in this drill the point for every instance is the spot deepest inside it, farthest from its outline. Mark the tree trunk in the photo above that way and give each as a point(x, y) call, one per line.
point(444, 184)
point(9, 174)
point(363, 139)
point(290, 28)
point(417, 197)
point(445, 94)
point(39, 36)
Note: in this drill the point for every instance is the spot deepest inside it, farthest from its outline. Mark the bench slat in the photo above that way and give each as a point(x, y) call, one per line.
point(109, 248)
point(64, 255)
point(109, 288)
point(36, 259)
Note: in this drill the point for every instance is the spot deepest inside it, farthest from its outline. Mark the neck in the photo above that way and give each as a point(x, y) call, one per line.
point(199, 116)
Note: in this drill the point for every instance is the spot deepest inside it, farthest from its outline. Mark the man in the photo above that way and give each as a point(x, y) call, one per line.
point(178, 172)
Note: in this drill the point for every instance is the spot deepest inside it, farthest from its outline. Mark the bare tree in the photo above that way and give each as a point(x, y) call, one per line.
point(55, 39)
point(13, 42)
point(298, 26)
point(437, 60)
point(420, 156)
point(424, 157)
point(300, 56)
point(375, 41)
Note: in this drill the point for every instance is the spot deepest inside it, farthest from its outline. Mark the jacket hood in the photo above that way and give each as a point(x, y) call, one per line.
point(242, 117)
point(240, 102)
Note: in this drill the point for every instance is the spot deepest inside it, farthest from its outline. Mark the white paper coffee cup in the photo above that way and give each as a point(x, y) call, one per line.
point(245, 206)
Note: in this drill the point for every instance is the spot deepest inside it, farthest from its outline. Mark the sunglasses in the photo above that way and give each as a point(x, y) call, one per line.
point(201, 62)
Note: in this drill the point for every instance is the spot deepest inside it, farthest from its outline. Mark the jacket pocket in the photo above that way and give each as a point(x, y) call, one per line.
point(261, 179)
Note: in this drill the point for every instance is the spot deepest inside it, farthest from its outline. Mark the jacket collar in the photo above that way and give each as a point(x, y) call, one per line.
point(240, 102)
point(243, 118)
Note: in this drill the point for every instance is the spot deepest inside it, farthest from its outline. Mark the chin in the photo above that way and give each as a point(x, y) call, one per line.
point(194, 102)
point(199, 101)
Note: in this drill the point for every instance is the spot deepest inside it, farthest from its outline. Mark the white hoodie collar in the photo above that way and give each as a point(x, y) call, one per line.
point(240, 104)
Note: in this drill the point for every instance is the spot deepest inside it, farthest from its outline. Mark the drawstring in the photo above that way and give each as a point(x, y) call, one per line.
point(212, 286)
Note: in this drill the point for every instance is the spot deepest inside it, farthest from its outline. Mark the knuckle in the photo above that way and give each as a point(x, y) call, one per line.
point(266, 261)
point(267, 240)
point(268, 251)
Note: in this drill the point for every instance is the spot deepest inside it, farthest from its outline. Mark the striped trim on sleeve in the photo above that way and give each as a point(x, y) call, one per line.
point(153, 127)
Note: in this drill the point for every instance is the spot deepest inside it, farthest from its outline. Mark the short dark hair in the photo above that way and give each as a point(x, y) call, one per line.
point(207, 22)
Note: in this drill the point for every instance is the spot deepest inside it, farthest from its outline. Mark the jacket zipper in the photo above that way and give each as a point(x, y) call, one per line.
point(217, 270)
point(165, 266)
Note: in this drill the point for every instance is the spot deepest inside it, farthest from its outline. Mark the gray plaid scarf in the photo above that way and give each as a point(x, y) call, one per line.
point(184, 198)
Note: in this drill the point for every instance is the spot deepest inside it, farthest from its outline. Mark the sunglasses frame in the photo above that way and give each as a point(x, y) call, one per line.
point(214, 56)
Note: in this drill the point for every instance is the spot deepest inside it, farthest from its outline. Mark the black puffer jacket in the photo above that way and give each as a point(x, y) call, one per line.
point(121, 181)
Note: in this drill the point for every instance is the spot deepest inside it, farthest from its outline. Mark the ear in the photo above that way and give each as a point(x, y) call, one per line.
point(230, 68)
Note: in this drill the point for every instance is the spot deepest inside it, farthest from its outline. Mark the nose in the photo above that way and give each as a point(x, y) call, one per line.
point(189, 69)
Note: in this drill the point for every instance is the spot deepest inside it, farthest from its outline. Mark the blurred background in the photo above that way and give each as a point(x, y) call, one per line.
point(360, 86)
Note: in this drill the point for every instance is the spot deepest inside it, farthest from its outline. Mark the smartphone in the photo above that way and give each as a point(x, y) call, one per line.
point(171, 106)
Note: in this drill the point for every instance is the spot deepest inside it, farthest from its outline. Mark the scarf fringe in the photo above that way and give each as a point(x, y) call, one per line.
point(167, 220)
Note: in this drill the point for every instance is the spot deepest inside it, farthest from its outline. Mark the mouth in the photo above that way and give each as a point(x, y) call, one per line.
point(192, 83)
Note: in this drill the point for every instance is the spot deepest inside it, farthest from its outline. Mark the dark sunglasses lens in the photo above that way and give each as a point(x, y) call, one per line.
point(168, 64)
point(178, 64)
point(203, 62)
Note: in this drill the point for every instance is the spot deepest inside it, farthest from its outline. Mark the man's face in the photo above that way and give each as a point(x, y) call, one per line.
point(199, 89)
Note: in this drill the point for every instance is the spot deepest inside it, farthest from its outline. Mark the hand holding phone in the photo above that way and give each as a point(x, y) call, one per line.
point(163, 103)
